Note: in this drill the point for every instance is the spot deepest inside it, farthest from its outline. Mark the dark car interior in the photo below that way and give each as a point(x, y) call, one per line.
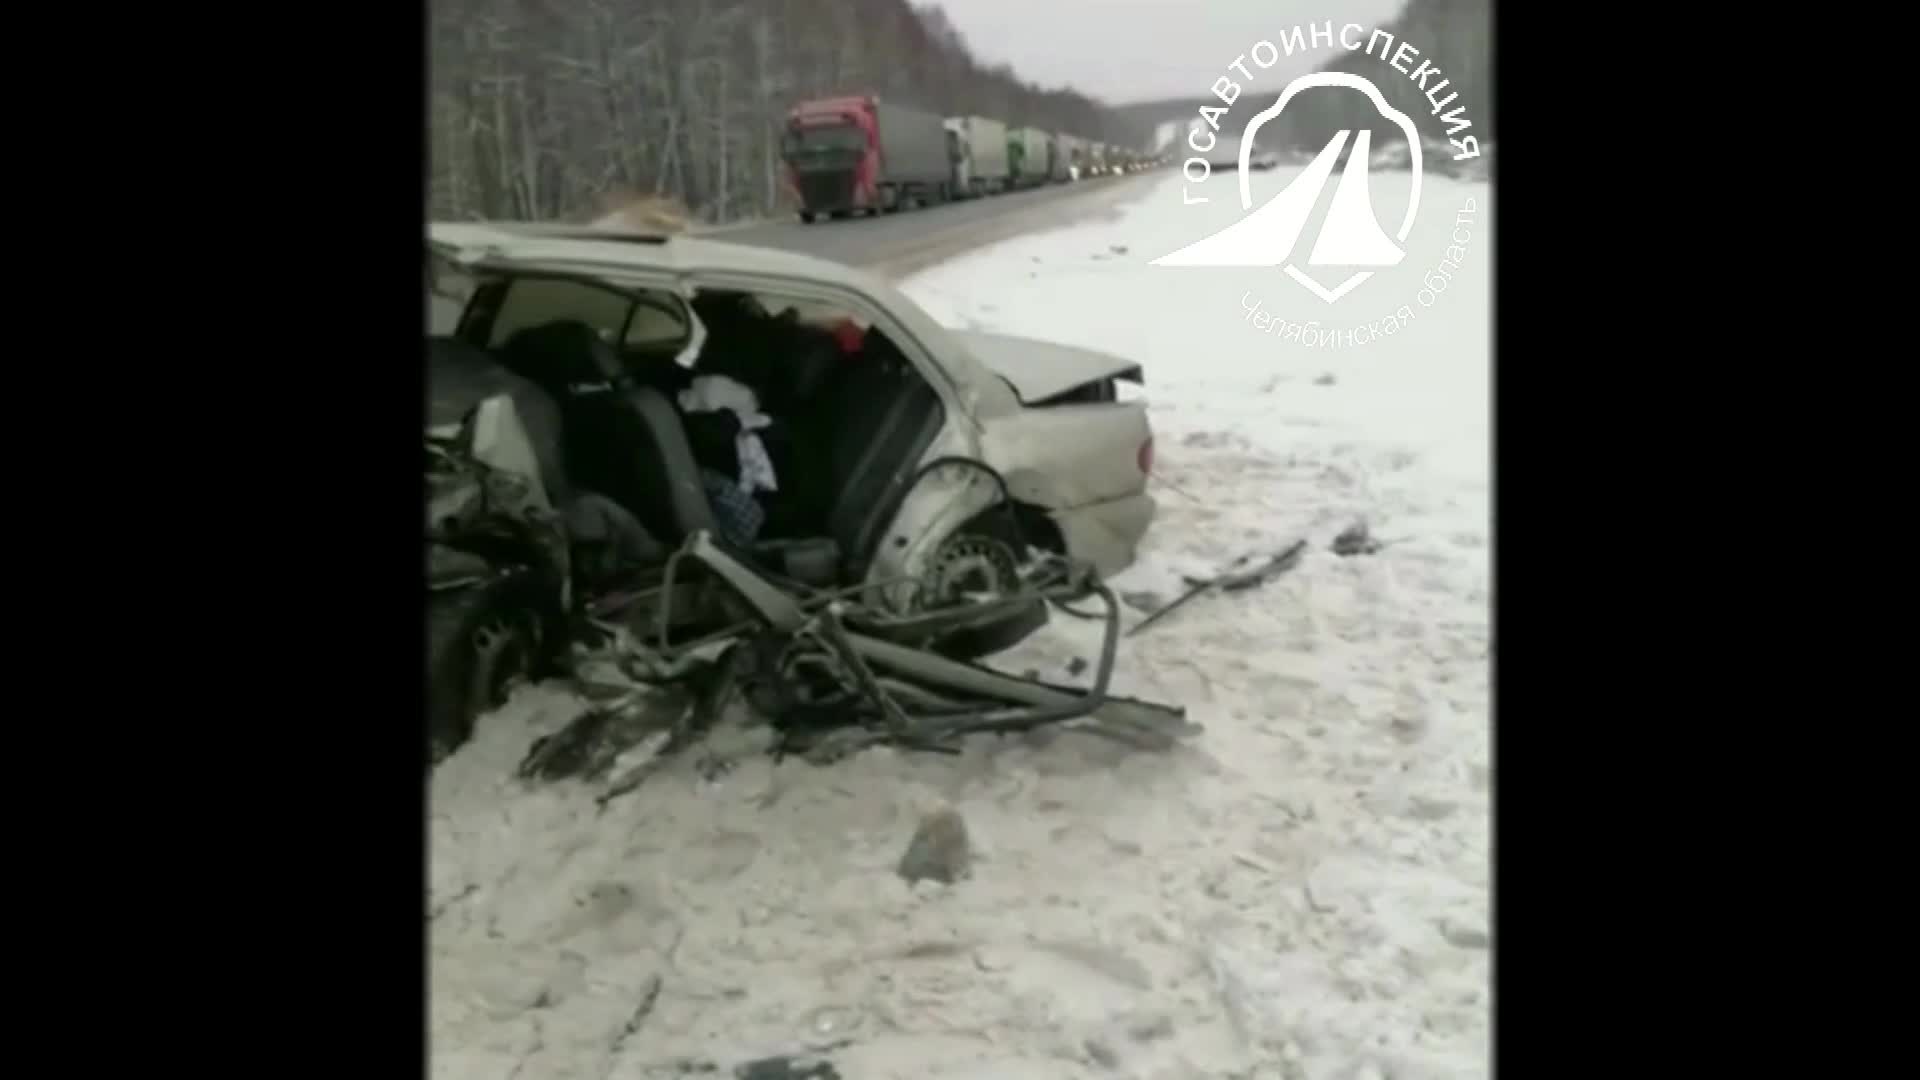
point(850, 416)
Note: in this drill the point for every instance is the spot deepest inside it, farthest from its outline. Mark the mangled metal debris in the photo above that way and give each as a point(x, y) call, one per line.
point(1244, 573)
point(591, 747)
point(827, 676)
point(1241, 574)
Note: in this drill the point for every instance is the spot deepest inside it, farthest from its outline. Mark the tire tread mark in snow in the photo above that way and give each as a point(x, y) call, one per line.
point(648, 997)
point(442, 907)
point(539, 1044)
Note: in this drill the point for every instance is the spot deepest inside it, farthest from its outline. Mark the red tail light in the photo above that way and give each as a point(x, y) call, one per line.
point(1146, 456)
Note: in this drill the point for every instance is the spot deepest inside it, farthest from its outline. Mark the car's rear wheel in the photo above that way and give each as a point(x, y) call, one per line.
point(977, 562)
point(974, 642)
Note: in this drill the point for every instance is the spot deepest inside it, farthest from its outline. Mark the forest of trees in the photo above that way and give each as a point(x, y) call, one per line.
point(555, 109)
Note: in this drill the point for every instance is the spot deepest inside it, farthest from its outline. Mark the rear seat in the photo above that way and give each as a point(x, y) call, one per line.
point(856, 428)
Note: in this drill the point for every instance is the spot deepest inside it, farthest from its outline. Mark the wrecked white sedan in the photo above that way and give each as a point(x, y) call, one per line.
point(647, 390)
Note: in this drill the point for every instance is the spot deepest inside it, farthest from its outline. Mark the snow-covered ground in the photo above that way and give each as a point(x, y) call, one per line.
point(1302, 892)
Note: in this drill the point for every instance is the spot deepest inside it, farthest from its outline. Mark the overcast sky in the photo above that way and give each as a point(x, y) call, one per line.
point(1142, 50)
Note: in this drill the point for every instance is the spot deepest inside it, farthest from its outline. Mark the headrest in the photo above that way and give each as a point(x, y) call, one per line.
point(460, 376)
point(718, 305)
point(562, 354)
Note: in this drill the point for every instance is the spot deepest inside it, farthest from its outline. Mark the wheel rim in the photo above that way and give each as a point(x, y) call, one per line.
point(969, 564)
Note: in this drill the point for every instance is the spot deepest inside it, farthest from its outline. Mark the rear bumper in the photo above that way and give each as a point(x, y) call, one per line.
point(1106, 534)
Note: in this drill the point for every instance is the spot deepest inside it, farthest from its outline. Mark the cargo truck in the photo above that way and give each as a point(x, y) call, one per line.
point(1059, 157)
point(1026, 157)
point(977, 148)
point(859, 154)
point(1225, 153)
point(1073, 155)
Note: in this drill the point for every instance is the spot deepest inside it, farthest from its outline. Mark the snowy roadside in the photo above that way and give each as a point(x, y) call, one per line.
point(1303, 892)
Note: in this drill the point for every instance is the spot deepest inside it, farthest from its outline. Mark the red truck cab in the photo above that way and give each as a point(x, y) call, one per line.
point(832, 152)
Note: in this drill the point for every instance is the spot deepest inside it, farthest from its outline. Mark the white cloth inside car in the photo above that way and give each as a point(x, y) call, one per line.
point(711, 393)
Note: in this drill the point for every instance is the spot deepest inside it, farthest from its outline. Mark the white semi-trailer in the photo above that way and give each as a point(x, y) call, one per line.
point(977, 148)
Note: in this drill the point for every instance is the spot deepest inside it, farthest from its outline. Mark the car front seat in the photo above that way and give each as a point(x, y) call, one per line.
point(622, 440)
point(461, 376)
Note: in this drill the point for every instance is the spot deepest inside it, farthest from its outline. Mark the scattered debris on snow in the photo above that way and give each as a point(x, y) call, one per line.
point(1355, 540)
point(1237, 577)
point(649, 995)
point(939, 851)
point(787, 1068)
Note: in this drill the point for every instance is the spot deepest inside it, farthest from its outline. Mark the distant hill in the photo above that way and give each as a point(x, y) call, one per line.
point(1456, 34)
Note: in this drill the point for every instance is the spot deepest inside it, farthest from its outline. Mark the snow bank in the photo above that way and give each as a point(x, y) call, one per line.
point(1304, 890)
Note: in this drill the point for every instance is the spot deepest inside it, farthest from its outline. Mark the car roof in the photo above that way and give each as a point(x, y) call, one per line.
point(585, 246)
point(597, 251)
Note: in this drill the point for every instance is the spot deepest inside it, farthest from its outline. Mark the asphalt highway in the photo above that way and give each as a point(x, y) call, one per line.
point(899, 244)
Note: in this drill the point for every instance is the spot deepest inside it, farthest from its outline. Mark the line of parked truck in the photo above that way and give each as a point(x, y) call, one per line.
point(862, 155)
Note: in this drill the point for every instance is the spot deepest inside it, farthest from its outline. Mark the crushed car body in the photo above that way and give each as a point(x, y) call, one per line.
point(701, 461)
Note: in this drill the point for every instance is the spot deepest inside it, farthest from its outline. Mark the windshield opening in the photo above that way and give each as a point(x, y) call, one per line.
point(825, 139)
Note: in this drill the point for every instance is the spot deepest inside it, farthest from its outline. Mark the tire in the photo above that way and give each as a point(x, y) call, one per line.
point(806, 217)
point(978, 641)
point(479, 642)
